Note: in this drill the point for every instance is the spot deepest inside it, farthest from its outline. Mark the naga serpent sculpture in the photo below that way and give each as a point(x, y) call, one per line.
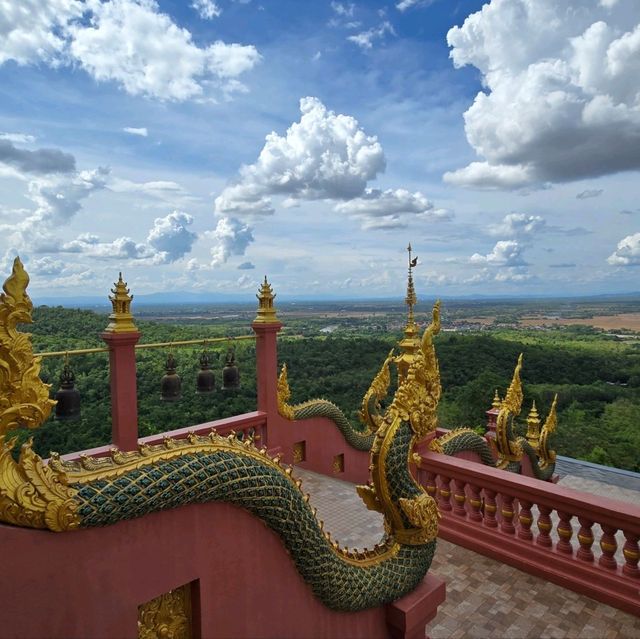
point(369, 414)
point(509, 448)
point(64, 496)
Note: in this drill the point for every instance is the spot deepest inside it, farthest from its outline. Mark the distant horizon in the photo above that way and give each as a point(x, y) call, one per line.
point(242, 299)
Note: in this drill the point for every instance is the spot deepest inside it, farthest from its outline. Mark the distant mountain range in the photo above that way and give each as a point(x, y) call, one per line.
point(185, 298)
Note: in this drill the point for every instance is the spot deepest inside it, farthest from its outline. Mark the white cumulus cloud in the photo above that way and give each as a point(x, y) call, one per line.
point(323, 156)
point(232, 238)
point(518, 225)
point(627, 252)
point(504, 253)
point(171, 238)
point(129, 42)
point(561, 100)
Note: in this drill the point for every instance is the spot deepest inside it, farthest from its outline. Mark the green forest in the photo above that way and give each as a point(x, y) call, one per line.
point(596, 376)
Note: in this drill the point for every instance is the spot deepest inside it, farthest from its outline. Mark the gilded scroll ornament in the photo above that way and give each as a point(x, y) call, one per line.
point(167, 616)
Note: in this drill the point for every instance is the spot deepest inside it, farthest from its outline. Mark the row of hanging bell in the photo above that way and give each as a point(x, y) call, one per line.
point(171, 384)
point(67, 396)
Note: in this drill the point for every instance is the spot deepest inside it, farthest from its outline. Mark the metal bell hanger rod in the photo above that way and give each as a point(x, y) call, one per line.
point(187, 342)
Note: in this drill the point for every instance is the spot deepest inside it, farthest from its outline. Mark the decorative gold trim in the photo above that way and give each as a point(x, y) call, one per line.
point(32, 494)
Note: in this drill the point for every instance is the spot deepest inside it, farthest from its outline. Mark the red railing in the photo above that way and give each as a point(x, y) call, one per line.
point(583, 542)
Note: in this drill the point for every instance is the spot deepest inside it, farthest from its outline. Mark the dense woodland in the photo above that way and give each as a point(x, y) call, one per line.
point(596, 376)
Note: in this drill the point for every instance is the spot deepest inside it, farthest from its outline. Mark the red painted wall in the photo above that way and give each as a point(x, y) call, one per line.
point(89, 583)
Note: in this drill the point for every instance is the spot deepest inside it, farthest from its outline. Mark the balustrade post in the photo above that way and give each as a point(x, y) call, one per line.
point(609, 545)
point(430, 483)
point(266, 327)
point(585, 538)
point(444, 493)
point(565, 532)
point(631, 554)
point(121, 336)
point(475, 513)
point(525, 520)
point(544, 526)
point(490, 508)
point(459, 498)
point(507, 515)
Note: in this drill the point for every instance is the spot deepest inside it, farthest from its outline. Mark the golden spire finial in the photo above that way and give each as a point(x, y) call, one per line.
point(497, 402)
point(121, 319)
point(411, 298)
point(411, 341)
point(533, 426)
point(266, 309)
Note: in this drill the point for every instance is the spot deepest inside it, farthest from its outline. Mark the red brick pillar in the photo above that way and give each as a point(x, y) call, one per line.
point(121, 335)
point(266, 327)
point(267, 368)
point(124, 397)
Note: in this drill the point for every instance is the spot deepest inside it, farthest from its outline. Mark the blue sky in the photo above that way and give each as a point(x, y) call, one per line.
point(199, 145)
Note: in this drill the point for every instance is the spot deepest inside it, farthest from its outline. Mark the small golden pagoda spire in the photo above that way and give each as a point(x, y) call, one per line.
point(266, 309)
point(411, 341)
point(533, 426)
point(497, 402)
point(121, 320)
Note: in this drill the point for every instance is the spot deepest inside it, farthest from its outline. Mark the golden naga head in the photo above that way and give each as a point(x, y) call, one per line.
point(418, 395)
point(24, 398)
point(16, 305)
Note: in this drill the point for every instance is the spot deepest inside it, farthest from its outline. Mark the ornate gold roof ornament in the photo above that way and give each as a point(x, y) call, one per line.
point(121, 317)
point(266, 309)
point(497, 402)
point(369, 414)
point(418, 395)
point(284, 394)
point(508, 447)
point(30, 493)
point(545, 455)
point(533, 426)
point(410, 343)
point(24, 398)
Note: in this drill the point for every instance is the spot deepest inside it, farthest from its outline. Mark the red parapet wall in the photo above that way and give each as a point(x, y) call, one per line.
point(88, 584)
point(326, 451)
point(583, 542)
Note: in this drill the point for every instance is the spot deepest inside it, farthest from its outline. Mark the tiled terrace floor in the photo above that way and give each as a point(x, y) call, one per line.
point(485, 598)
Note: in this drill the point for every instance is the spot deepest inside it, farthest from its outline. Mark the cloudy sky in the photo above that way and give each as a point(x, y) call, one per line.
point(198, 145)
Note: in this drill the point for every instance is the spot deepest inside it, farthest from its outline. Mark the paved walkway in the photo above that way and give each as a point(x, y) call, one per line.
point(485, 598)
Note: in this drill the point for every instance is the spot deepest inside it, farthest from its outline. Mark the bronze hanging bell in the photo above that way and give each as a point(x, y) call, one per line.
point(230, 372)
point(171, 384)
point(67, 396)
point(206, 380)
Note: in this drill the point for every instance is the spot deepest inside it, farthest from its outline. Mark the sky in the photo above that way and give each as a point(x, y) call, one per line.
point(199, 145)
